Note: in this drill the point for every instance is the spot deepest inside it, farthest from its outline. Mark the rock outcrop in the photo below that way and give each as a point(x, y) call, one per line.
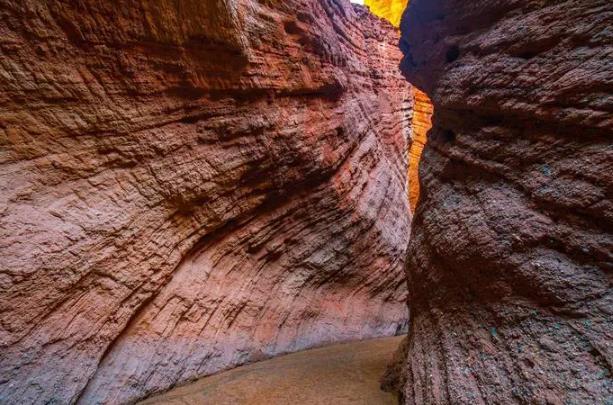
point(509, 264)
point(191, 185)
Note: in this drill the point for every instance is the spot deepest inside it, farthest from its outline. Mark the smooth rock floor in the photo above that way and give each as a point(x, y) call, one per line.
point(346, 373)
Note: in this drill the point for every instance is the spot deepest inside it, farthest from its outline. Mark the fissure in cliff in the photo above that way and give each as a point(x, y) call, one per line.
point(422, 109)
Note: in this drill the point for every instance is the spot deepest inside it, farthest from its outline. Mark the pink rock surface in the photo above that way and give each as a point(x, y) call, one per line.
point(190, 185)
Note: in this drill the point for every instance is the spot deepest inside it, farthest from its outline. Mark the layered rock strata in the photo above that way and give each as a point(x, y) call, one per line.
point(510, 258)
point(190, 185)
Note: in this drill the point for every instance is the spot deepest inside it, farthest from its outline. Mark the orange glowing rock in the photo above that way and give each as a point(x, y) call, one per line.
point(421, 123)
point(390, 10)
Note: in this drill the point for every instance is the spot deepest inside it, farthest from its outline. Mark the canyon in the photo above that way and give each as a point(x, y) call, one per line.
point(188, 186)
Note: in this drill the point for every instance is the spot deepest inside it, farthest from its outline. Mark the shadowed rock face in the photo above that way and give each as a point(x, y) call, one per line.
point(510, 258)
point(190, 185)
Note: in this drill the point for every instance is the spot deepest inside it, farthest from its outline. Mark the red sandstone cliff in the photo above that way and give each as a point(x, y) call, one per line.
point(190, 185)
point(510, 259)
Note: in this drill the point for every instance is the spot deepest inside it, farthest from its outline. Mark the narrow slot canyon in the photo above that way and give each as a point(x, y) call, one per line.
point(306, 201)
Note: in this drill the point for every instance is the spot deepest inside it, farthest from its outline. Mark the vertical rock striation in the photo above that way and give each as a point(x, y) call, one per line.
point(510, 258)
point(190, 185)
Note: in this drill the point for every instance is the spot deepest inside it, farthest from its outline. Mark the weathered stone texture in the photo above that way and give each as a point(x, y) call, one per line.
point(510, 258)
point(190, 185)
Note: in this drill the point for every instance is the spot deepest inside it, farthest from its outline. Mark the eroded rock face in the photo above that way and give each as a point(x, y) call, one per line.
point(510, 259)
point(191, 185)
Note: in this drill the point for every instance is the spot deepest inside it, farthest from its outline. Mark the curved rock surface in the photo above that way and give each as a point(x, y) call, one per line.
point(190, 185)
point(510, 259)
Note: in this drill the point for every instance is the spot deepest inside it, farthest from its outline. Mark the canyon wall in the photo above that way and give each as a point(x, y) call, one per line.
point(190, 185)
point(510, 259)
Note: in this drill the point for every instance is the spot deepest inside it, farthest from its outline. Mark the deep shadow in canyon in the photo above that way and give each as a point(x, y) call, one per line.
point(187, 186)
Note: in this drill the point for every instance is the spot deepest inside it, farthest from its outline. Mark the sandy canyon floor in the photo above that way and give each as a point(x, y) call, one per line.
point(339, 374)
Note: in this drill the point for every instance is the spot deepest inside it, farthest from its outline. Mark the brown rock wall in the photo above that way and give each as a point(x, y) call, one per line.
point(510, 259)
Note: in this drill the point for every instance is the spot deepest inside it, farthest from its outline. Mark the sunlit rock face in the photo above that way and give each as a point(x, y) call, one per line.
point(390, 10)
point(510, 258)
point(420, 125)
point(191, 185)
